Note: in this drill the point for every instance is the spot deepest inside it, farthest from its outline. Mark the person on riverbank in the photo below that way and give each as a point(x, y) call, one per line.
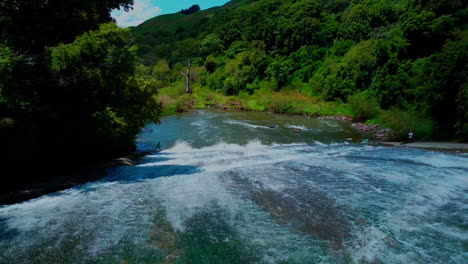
point(410, 136)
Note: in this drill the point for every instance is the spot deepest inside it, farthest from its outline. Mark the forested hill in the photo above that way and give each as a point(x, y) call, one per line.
point(407, 57)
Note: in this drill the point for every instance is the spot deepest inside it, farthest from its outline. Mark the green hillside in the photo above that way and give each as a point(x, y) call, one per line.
point(401, 63)
point(171, 22)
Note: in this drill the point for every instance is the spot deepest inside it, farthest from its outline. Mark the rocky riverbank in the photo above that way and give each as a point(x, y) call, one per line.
point(376, 131)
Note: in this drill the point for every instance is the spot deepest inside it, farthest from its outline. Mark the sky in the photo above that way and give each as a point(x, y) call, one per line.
point(146, 9)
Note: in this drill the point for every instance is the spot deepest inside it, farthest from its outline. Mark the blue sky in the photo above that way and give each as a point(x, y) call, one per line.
point(146, 9)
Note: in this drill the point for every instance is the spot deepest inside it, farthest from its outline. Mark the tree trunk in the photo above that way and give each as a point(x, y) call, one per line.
point(188, 80)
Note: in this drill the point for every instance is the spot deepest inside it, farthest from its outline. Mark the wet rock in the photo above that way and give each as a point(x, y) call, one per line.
point(339, 118)
point(235, 105)
point(221, 106)
point(378, 132)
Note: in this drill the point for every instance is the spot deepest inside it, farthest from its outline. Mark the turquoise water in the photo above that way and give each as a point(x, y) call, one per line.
point(227, 189)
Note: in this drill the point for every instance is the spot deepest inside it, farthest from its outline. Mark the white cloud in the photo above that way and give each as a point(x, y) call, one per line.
point(142, 11)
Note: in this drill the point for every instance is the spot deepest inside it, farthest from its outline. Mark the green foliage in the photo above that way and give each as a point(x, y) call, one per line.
point(389, 84)
point(68, 100)
point(353, 73)
point(9, 62)
point(279, 70)
point(33, 24)
point(341, 47)
point(445, 81)
point(211, 63)
point(163, 73)
point(211, 44)
point(280, 105)
point(184, 103)
point(401, 122)
point(110, 98)
point(363, 107)
point(234, 76)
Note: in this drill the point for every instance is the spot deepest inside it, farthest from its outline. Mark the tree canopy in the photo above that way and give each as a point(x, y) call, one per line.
point(191, 10)
point(69, 91)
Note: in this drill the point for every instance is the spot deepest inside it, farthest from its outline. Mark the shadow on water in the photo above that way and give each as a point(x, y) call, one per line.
point(141, 173)
point(148, 169)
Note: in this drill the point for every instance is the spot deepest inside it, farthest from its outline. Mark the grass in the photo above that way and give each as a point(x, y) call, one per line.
point(282, 102)
point(402, 121)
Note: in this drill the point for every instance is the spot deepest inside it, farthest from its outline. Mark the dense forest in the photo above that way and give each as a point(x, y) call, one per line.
point(400, 63)
point(68, 89)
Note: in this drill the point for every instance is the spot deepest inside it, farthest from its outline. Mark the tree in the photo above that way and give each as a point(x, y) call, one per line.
point(211, 44)
point(81, 94)
point(279, 70)
point(191, 10)
point(30, 25)
point(211, 63)
point(188, 79)
point(97, 73)
point(162, 72)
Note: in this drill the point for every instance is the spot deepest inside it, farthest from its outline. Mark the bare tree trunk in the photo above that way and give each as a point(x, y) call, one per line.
point(188, 79)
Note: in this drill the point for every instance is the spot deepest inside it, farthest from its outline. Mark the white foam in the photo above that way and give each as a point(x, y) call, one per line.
point(298, 127)
point(245, 124)
point(114, 209)
point(440, 160)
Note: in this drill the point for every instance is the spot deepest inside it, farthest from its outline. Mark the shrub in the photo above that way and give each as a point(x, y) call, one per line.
point(401, 122)
point(253, 106)
point(280, 105)
point(184, 103)
point(362, 107)
point(211, 64)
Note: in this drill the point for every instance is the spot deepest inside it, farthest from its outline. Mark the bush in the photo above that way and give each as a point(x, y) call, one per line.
point(401, 122)
point(252, 105)
point(362, 107)
point(211, 64)
point(280, 105)
point(184, 103)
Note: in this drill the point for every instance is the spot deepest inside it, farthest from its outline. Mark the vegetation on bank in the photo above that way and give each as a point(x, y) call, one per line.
point(174, 100)
point(68, 89)
point(405, 60)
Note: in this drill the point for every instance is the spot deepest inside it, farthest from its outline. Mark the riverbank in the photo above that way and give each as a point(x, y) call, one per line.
point(174, 100)
point(78, 176)
point(382, 125)
point(385, 125)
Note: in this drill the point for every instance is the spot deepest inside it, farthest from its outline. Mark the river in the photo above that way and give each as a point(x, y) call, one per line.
point(225, 188)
